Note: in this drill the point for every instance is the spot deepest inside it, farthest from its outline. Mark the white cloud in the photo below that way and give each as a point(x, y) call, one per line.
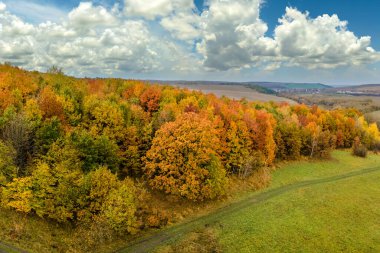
point(228, 36)
point(86, 15)
point(151, 9)
point(183, 26)
point(90, 43)
point(323, 42)
point(2, 6)
point(234, 35)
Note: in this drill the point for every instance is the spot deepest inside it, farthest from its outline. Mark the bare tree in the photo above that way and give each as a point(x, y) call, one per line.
point(17, 133)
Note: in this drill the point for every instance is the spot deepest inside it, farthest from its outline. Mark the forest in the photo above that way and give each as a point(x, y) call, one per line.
point(96, 151)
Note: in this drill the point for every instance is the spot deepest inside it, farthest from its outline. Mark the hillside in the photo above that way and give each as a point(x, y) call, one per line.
point(90, 164)
point(234, 91)
point(360, 90)
point(291, 86)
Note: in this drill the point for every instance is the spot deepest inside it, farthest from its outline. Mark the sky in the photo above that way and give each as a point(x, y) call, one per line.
point(332, 42)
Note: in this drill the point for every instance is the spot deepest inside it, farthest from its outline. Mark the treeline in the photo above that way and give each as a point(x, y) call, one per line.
point(85, 150)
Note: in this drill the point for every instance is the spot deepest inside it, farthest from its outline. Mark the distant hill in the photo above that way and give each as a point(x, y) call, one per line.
point(293, 86)
point(361, 87)
point(365, 89)
point(262, 87)
point(253, 86)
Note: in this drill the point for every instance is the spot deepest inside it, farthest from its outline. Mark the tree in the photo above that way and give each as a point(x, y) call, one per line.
point(288, 141)
point(150, 99)
point(120, 207)
point(95, 152)
point(261, 128)
point(97, 186)
point(183, 160)
point(55, 70)
point(47, 134)
point(18, 195)
point(56, 190)
point(50, 104)
point(8, 169)
point(238, 146)
point(17, 133)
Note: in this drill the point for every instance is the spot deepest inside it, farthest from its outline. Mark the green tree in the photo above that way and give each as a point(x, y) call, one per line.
point(8, 169)
point(95, 152)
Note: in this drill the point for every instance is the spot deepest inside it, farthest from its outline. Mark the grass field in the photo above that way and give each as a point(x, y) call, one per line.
point(341, 214)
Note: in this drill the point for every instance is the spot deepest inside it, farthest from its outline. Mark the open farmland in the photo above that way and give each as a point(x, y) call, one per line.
point(333, 101)
point(235, 92)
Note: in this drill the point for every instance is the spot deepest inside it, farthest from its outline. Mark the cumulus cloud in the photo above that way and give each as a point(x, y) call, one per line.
point(86, 15)
point(323, 42)
point(171, 35)
point(183, 26)
point(234, 35)
point(2, 6)
point(158, 8)
point(92, 41)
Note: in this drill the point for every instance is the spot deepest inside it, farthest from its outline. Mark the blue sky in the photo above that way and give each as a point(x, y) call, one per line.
point(337, 42)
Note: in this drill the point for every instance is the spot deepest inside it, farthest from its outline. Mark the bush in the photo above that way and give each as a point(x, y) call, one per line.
point(359, 149)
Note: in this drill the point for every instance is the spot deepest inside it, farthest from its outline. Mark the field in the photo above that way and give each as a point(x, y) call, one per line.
point(365, 104)
point(374, 117)
point(334, 217)
point(325, 206)
point(235, 92)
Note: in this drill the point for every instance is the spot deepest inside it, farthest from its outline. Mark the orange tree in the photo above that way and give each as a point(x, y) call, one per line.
point(183, 160)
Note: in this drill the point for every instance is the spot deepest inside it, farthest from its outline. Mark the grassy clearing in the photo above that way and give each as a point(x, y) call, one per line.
point(333, 217)
point(341, 162)
point(341, 216)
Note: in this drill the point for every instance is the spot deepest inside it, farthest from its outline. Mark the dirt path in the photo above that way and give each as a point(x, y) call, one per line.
point(148, 243)
point(7, 248)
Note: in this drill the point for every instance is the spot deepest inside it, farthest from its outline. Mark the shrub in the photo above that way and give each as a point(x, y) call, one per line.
point(359, 149)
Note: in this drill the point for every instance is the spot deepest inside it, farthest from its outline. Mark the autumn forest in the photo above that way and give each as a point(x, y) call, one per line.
point(97, 151)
